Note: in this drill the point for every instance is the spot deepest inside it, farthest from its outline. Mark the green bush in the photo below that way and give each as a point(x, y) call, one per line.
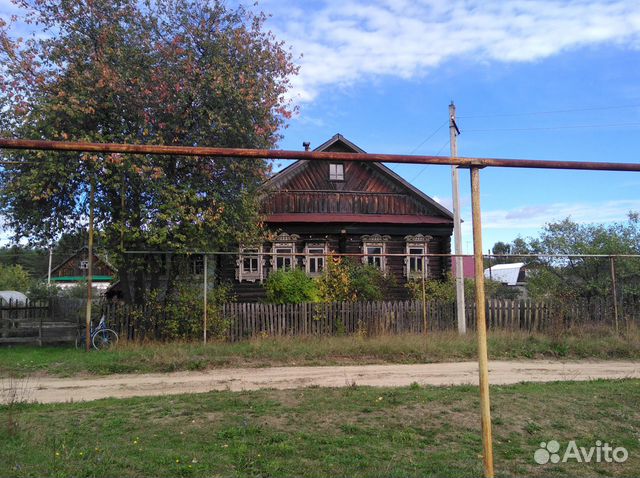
point(291, 287)
point(181, 315)
point(14, 278)
point(40, 290)
point(445, 290)
point(347, 280)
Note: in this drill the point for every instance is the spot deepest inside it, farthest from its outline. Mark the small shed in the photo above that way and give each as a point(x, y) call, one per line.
point(509, 274)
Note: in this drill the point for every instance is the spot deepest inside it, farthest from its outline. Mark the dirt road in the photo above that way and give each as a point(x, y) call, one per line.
point(50, 390)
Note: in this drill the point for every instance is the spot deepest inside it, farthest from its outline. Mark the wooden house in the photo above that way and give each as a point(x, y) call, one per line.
point(314, 208)
point(74, 270)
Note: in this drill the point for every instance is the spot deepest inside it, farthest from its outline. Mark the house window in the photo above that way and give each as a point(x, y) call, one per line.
point(84, 265)
point(336, 172)
point(283, 252)
point(283, 258)
point(415, 260)
point(196, 264)
point(315, 258)
point(373, 248)
point(249, 265)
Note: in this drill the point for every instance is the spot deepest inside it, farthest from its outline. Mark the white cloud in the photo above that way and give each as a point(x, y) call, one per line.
point(537, 216)
point(346, 41)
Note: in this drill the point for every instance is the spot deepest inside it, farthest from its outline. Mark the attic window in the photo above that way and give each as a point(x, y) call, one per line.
point(336, 172)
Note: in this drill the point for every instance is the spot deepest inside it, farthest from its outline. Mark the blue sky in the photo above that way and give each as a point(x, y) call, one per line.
point(530, 79)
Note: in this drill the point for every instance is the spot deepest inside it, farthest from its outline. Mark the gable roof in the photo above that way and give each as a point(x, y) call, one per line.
point(78, 253)
point(339, 141)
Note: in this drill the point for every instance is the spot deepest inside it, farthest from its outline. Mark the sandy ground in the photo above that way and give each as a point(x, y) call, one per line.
point(51, 390)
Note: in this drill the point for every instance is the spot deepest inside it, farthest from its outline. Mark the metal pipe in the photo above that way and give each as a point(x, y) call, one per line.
point(90, 263)
point(6, 143)
point(205, 287)
point(424, 294)
point(614, 293)
point(481, 325)
point(384, 254)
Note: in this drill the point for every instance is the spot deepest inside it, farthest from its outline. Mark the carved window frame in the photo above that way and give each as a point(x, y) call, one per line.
point(412, 258)
point(253, 257)
point(283, 251)
point(375, 241)
point(315, 254)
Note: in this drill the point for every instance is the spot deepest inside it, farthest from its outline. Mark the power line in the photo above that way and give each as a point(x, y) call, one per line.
point(533, 113)
point(551, 128)
point(428, 138)
point(425, 167)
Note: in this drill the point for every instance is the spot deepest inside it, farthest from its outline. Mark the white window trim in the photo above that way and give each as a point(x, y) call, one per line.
point(250, 276)
point(416, 242)
point(308, 257)
point(284, 241)
point(336, 171)
point(375, 240)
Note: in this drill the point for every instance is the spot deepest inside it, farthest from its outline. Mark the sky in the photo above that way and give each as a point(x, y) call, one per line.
point(530, 79)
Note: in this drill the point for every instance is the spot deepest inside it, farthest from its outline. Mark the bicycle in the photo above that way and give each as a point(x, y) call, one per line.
point(102, 337)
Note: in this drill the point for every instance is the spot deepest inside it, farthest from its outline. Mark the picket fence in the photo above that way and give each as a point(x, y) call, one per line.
point(247, 320)
point(56, 320)
point(38, 321)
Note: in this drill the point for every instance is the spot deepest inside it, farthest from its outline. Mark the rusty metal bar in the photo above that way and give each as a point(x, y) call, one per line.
point(481, 325)
point(76, 146)
point(382, 254)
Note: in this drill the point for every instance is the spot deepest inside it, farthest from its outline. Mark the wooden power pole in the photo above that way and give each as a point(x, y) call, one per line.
point(457, 233)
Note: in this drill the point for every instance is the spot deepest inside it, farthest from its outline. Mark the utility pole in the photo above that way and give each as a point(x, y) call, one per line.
point(49, 269)
point(457, 233)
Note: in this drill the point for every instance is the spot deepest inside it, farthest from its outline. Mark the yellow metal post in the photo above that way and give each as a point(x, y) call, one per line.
point(87, 336)
point(205, 287)
point(483, 360)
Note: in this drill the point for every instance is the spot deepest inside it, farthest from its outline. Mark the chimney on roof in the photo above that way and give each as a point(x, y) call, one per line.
point(307, 145)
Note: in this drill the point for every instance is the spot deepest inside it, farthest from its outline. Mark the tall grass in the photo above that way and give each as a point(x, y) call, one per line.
point(287, 351)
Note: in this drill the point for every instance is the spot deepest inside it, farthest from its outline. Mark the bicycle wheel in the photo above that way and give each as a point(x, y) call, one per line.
point(104, 338)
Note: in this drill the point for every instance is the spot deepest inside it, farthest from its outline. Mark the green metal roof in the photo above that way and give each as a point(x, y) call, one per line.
point(81, 278)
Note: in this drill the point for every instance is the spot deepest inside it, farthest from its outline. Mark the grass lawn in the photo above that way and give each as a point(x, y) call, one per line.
point(437, 347)
point(353, 431)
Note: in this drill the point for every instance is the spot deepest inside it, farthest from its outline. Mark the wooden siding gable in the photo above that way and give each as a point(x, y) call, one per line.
point(368, 188)
point(70, 266)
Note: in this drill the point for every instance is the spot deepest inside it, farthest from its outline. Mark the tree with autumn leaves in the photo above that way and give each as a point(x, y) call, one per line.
point(169, 72)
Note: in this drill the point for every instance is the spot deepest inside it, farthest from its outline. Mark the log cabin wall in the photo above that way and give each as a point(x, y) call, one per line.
point(351, 244)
